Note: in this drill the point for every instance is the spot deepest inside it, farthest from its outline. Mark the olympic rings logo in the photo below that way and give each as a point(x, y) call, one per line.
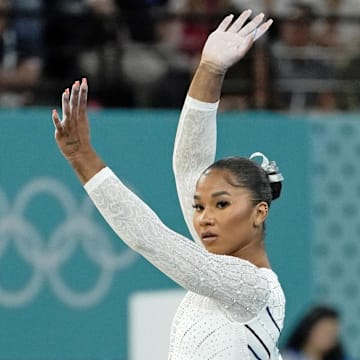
point(47, 257)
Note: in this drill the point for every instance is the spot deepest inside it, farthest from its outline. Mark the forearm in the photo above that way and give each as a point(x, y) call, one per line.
point(194, 150)
point(86, 165)
point(195, 143)
point(207, 83)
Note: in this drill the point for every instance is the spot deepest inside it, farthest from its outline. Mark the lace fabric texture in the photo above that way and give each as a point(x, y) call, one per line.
point(225, 293)
point(194, 151)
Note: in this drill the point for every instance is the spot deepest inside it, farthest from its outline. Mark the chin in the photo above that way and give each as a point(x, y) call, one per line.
point(215, 251)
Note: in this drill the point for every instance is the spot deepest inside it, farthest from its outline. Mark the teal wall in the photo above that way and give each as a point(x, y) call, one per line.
point(335, 207)
point(65, 279)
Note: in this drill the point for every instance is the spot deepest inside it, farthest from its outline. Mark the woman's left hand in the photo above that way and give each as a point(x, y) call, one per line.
point(232, 39)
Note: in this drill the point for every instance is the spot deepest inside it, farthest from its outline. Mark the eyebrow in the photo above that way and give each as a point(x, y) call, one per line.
point(213, 195)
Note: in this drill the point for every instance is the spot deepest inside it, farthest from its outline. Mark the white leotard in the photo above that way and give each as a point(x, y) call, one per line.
point(233, 309)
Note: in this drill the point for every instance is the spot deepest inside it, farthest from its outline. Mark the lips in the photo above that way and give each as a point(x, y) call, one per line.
point(208, 236)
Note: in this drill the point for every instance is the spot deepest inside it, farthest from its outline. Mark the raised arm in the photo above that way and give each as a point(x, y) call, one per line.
point(226, 279)
point(195, 142)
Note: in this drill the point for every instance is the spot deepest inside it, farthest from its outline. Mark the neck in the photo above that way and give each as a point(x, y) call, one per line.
point(254, 252)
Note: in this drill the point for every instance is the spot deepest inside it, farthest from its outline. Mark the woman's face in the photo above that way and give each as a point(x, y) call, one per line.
point(225, 217)
point(324, 335)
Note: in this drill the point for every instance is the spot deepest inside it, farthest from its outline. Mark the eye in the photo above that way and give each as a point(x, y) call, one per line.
point(198, 207)
point(222, 204)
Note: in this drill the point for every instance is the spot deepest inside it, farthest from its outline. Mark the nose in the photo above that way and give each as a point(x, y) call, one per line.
point(206, 218)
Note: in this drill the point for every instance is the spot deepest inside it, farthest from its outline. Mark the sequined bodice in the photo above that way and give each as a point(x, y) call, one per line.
point(203, 329)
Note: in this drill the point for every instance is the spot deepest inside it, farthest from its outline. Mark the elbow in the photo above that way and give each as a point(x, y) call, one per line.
point(177, 165)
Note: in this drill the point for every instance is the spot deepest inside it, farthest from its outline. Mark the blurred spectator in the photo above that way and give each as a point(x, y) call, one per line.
point(28, 21)
point(301, 73)
point(169, 90)
point(20, 58)
point(62, 40)
point(64, 18)
point(91, 42)
point(142, 63)
point(198, 19)
point(186, 31)
point(138, 17)
point(316, 337)
point(257, 6)
point(339, 31)
point(193, 20)
point(350, 74)
point(102, 49)
point(141, 53)
point(339, 26)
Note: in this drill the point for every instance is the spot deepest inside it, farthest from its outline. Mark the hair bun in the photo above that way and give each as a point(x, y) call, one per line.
point(272, 170)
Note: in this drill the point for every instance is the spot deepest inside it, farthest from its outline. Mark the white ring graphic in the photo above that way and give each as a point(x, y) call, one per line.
point(8, 228)
point(77, 234)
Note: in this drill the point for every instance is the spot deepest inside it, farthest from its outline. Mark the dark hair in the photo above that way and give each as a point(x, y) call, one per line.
point(250, 175)
point(300, 334)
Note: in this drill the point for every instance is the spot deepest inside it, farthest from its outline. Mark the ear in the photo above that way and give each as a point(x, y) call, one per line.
point(261, 212)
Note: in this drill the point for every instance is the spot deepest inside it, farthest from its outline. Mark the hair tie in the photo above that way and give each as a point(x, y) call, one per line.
point(270, 167)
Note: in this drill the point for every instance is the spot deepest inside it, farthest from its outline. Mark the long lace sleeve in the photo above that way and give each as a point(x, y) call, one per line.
point(237, 284)
point(194, 151)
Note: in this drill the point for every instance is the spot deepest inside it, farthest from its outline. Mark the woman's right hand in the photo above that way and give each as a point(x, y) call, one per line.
point(232, 40)
point(72, 133)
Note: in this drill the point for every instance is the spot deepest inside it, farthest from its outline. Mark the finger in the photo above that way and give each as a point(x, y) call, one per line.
point(65, 103)
point(74, 98)
point(252, 25)
point(262, 29)
point(66, 122)
point(240, 21)
point(225, 23)
point(56, 121)
point(83, 98)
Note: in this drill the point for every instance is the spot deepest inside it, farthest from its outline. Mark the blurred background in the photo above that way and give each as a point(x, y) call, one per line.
point(69, 289)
